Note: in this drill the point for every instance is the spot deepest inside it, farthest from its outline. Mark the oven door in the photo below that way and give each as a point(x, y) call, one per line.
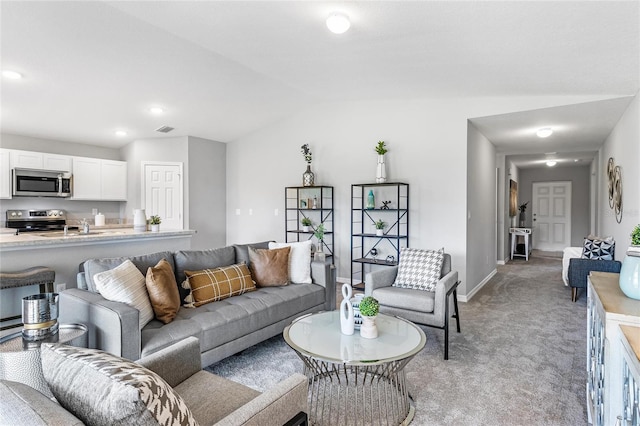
point(41, 183)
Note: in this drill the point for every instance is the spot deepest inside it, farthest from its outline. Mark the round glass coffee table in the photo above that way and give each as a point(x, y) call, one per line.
point(353, 380)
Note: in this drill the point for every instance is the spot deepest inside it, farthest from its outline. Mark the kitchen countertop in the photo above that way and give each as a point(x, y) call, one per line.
point(97, 235)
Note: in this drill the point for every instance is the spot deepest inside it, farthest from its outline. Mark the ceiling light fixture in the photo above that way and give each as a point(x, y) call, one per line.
point(13, 75)
point(120, 133)
point(544, 132)
point(551, 163)
point(338, 23)
point(156, 110)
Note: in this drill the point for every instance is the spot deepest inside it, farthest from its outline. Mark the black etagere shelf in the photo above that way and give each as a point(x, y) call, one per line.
point(316, 204)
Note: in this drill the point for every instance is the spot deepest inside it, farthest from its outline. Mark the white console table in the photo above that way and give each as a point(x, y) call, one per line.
point(526, 234)
point(607, 309)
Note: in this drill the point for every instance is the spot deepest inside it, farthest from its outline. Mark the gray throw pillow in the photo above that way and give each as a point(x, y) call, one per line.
point(103, 389)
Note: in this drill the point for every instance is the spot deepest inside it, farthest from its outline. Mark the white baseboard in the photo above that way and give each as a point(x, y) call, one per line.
point(466, 297)
point(343, 280)
point(501, 262)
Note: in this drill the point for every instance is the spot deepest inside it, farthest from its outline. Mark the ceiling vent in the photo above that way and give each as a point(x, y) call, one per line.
point(164, 129)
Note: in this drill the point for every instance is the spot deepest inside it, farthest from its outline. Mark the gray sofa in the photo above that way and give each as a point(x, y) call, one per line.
point(224, 327)
point(212, 400)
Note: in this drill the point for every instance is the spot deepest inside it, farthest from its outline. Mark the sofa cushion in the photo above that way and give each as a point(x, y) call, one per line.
point(405, 298)
point(211, 285)
point(195, 260)
point(242, 251)
point(163, 291)
point(419, 269)
point(93, 266)
point(126, 284)
point(103, 389)
point(270, 267)
point(299, 260)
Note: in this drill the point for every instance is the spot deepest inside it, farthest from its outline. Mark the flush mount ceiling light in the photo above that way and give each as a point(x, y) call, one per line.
point(551, 163)
point(544, 132)
point(338, 23)
point(120, 133)
point(13, 75)
point(156, 110)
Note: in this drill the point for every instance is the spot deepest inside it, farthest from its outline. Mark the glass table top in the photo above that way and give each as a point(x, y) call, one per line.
point(319, 336)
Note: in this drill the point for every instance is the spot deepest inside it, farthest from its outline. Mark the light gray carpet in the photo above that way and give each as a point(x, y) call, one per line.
point(520, 359)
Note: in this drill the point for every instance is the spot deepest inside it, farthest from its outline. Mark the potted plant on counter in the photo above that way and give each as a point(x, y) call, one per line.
point(306, 223)
point(630, 271)
point(369, 308)
point(155, 221)
point(380, 225)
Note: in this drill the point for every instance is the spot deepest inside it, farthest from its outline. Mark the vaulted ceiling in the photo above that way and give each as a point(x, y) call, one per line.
point(223, 69)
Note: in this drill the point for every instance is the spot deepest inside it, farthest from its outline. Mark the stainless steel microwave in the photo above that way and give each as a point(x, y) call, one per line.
point(41, 183)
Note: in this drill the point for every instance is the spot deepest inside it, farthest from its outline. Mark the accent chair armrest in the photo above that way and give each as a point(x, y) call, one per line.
point(276, 406)
point(579, 270)
point(443, 287)
point(380, 278)
point(175, 363)
point(112, 326)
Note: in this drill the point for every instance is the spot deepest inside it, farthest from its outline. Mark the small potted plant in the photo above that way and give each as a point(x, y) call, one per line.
point(523, 214)
point(380, 225)
point(630, 272)
point(381, 172)
point(155, 221)
point(319, 234)
point(369, 308)
point(306, 223)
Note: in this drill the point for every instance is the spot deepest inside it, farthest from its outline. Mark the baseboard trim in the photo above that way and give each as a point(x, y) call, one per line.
point(501, 262)
point(343, 280)
point(467, 297)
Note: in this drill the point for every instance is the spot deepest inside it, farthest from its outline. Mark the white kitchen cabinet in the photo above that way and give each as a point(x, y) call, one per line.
point(26, 159)
point(607, 309)
point(39, 160)
point(87, 178)
point(61, 163)
point(97, 179)
point(114, 180)
point(5, 174)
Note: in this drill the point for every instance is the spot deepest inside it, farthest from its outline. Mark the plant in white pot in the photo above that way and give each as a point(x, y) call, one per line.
point(369, 308)
point(306, 223)
point(630, 271)
point(381, 172)
point(155, 222)
point(380, 225)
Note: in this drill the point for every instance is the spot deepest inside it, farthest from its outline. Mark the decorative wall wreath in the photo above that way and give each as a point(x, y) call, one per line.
point(617, 193)
point(610, 179)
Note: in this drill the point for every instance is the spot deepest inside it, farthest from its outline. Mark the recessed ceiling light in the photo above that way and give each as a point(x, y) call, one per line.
point(120, 133)
point(338, 23)
point(156, 110)
point(544, 132)
point(551, 163)
point(576, 160)
point(13, 75)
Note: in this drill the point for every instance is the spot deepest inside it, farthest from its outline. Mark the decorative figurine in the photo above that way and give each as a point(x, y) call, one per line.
point(385, 205)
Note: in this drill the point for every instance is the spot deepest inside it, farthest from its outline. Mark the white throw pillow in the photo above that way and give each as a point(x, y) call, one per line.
point(419, 269)
point(299, 260)
point(126, 284)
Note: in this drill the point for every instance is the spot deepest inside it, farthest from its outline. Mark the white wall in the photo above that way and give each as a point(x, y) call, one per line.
point(207, 193)
point(481, 209)
point(623, 145)
point(427, 142)
point(580, 178)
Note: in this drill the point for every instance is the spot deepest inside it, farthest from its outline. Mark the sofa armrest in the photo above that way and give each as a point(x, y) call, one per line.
point(23, 405)
point(324, 274)
point(175, 363)
point(275, 406)
point(579, 269)
point(112, 326)
point(380, 278)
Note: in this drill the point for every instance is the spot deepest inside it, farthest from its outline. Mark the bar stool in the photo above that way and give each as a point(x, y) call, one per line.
point(38, 275)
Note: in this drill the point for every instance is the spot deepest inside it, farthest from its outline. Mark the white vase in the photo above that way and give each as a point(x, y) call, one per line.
point(630, 276)
point(379, 232)
point(381, 172)
point(347, 321)
point(368, 329)
point(155, 228)
point(305, 228)
point(139, 220)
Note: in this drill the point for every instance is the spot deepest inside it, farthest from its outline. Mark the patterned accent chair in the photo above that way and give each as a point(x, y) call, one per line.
point(430, 308)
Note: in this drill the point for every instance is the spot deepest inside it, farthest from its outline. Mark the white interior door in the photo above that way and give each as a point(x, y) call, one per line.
point(162, 193)
point(551, 215)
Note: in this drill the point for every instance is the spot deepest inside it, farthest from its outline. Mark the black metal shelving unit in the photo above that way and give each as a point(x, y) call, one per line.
point(315, 203)
point(364, 241)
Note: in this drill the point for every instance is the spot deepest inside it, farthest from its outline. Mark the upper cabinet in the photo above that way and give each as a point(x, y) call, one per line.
point(96, 179)
point(39, 160)
point(5, 174)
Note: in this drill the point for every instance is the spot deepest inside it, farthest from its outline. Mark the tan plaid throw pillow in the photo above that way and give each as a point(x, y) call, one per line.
point(210, 285)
